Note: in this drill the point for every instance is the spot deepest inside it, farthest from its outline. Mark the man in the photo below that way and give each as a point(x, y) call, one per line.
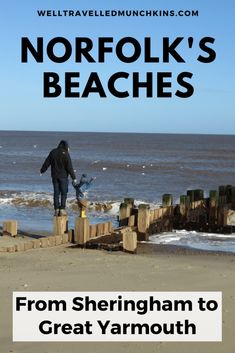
point(61, 167)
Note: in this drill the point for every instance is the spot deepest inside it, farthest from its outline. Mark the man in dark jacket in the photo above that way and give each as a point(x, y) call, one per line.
point(61, 167)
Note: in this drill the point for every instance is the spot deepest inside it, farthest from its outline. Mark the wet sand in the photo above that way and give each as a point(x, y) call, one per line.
point(154, 268)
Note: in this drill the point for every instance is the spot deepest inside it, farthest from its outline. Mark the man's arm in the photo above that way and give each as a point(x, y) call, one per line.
point(46, 164)
point(69, 167)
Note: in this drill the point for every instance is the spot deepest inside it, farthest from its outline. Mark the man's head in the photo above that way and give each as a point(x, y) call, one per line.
point(64, 145)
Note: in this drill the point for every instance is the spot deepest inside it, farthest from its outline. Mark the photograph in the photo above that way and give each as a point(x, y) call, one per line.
point(117, 177)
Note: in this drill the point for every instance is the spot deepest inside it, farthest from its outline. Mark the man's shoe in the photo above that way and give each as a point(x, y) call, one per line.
point(63, 212)
point(57, 212)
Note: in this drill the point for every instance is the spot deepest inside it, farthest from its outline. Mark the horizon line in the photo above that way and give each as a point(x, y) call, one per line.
point(122, 132)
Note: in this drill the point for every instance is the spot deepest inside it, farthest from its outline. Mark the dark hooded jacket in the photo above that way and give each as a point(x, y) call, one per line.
point(60, 162)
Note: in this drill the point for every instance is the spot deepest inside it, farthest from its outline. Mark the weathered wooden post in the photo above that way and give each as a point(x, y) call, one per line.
point(167, 200)
point(82, 230)
point(130, 242)
point(233, 198)
point(198, 195)
point(143, 221)
point(222, 196)
point(124, 214)
point(151, 216)
point(93, 231)
point(82, 205)
point(213, 206)
point(125, 211)
point(71, 235)
point(131, 221)
point(184, 206)
point(156, 213)
point(190, 193)
point(100, 229)
point(110, 227)
point(10, 228)
point(196, 198)
point(106, 228)
point(60, 225)
point(130, 201)
point(228, 192)
point(167, 211)
point(222, 205)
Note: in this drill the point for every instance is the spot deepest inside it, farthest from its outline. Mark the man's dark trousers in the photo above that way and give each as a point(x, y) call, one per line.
point(60, 189)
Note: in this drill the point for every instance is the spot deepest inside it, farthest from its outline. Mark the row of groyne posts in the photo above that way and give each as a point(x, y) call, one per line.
point(194, 211)
point(215, 213)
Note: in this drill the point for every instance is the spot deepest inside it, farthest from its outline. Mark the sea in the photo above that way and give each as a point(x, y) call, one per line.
point(142, 166)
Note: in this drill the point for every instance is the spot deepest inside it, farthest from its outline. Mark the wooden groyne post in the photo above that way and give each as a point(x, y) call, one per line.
point(82, 230)
point(213, 206)
point(167, 200)
point(143, 221)
point(130, 242)
point(60, 225)
point(10, 228)
point(184, 206)
point(215, 213)
point(125, 211)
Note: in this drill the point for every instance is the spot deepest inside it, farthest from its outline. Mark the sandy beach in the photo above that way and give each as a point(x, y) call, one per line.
point(64, 268)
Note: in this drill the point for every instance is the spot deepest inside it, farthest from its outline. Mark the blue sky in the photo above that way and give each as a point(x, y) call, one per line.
point(209, 110)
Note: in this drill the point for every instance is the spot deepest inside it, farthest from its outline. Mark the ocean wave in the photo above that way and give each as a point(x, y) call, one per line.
point(45, 200)
point(193, 239)
point(24, 198)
